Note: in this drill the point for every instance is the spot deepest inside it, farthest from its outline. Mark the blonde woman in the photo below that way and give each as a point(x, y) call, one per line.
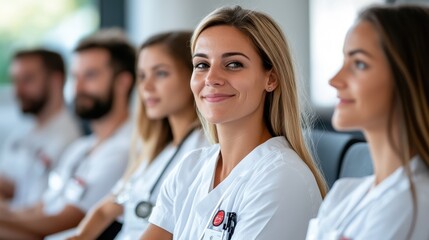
point(258, 181)
point(167, 125)
point(383, 88)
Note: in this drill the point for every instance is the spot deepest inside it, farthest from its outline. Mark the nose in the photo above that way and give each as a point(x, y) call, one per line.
point(147, 84)
point(337, 81)
point(214, 77)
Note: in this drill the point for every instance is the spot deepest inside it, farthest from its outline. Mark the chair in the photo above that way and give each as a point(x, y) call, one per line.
point(357, 161)
point(330, 148)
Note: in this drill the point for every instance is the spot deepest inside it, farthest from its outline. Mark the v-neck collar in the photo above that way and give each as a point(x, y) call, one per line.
point(251, 161)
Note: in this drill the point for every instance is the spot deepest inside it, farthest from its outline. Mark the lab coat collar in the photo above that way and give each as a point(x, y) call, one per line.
point(253, 160)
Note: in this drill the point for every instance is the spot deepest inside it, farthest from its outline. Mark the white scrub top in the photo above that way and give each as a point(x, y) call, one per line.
point(29, 155)
point(142, 181)
point(83, 179)
point(272, 192)
point(355, 209)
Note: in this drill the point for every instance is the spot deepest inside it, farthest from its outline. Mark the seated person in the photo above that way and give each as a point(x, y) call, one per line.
point(28, 155)
point(104, 71)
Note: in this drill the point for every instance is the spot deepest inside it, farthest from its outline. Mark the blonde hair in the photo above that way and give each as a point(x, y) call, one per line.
point(153, 135)
point(282, 113)
point(403, 31)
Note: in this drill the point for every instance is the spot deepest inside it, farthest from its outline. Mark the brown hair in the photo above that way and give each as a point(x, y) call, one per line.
point(404, 38)
point(52, 61)
point(122, 53)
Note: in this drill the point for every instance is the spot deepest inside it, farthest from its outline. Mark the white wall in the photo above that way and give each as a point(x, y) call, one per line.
point(147, 17)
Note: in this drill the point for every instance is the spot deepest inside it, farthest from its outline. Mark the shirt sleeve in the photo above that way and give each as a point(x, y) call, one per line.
point(279, 204)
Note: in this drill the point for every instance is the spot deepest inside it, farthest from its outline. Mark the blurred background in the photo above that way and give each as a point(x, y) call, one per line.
point(315, 29)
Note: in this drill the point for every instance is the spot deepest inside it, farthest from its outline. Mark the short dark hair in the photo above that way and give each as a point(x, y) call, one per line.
point(122, 53)
point(52, 61)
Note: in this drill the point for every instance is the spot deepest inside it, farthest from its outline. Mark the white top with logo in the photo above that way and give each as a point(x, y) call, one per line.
point(83, 179)
point(29, 155)
point(271, 191)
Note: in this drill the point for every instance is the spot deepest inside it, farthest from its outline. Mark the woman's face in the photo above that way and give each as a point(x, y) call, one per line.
point(228, 81)
point(364, 83)
point(163, 84)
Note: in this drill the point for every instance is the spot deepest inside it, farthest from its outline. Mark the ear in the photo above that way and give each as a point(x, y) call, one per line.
point(123, 83)
point(271, 82)
point(57, 80)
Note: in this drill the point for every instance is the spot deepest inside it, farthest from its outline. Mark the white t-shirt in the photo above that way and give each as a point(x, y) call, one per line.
point(83, 179)
point(29, 155)
point(140, 184)
point(355, 209)
point(272, 192)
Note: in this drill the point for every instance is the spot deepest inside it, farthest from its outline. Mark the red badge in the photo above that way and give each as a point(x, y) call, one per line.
point(218, 219)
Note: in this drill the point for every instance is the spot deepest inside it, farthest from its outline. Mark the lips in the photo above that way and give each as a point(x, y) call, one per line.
point(217, 97)
point(345, 101)
point(151, 102)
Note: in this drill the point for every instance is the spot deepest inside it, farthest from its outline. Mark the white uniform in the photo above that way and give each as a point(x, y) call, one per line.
point(355, 209)
point(272, 192)
point(83, 179)
point(28, 156)
point(139, 186)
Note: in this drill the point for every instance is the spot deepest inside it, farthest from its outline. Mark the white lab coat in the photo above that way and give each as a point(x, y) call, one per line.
point(29, 155)
point(272, 191)
point(354, 209)
point(140, 184)
point(83, 179)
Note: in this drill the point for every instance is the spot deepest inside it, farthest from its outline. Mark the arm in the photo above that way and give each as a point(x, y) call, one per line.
point(37, 224)
point(98, 220)
point(12, 233)
point(155, 232)
point(7, 188)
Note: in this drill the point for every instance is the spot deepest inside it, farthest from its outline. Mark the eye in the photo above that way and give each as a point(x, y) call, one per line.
point(140, 77)
point(201, 66)
point(360, 65)
point(161, 74)
point(234, 65)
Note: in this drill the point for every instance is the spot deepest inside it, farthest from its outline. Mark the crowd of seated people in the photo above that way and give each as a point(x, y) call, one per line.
point(216, 146)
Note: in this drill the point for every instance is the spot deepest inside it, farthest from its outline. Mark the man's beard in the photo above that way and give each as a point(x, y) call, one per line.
point(33, 105)
point(99, 107)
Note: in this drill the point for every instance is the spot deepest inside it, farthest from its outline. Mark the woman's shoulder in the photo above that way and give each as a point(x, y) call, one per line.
point(194, 160)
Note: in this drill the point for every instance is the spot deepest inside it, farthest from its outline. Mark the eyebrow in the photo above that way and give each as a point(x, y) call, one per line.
point(159, 66)
point(361, 51)
point(225, 55)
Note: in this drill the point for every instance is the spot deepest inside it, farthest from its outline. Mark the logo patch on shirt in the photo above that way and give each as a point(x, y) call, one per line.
point(218, 218)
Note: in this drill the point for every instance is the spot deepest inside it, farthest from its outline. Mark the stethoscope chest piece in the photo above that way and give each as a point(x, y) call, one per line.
point(143, 209)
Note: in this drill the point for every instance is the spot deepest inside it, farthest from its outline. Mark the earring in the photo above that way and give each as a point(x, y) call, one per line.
point(269, 89)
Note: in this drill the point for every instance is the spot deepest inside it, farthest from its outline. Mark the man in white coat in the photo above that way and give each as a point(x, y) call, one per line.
point(29, 154)
point(104, 71)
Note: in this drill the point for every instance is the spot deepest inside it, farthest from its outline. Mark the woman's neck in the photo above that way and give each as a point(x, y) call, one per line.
point(236, 142)
point(385, 160)
point(181, 124)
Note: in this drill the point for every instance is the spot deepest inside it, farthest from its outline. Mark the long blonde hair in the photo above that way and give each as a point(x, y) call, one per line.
point(153, 135)
point(282, 113)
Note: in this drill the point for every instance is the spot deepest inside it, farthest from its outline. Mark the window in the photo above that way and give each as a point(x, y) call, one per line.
point(329, 22)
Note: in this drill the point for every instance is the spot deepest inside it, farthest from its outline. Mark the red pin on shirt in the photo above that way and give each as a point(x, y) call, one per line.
point(218, 219)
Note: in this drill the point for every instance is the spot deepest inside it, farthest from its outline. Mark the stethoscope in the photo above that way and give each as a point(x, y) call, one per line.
point(144, 208)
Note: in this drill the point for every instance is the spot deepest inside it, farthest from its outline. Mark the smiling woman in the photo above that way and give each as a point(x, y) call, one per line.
point(383, 90)
point(258, 180)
